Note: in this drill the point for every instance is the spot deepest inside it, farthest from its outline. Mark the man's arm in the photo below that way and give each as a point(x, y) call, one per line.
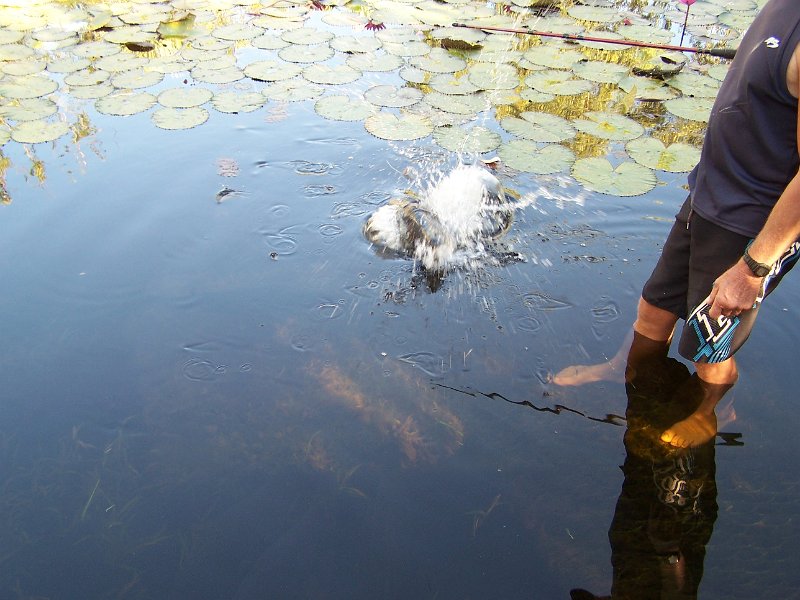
point(737, 288)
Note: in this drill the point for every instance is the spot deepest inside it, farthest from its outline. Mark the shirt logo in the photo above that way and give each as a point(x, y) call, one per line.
point(772, 42)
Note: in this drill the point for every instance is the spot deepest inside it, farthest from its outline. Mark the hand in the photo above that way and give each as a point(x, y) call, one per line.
point(735, 291)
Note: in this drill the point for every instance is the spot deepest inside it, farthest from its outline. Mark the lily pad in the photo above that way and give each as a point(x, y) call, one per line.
point(355, 45)
point(28, 109)
point(461, 105)
point(125, 103)
point(120, 62)
point(439, 61)
point(139, 78)
point(306, 54)
point(370, 61)
point(184, 97)
point(237, 32)
point(539, 127)
point(203, 74)
point(343, 108)
point(38, 132)
point(599, 14)
point(559, 83)
point(179, 118)
point(92, 92)
point(68, 65)
point(627, 179)
point(292, 90)
point(393, 97)
point(272, 70)
point(331, 75)
point(28, 86)
point(448, 83)
point(491, 76)
point(268, 41)
point(530, 157)
point(306, 36)
point(645, 88)
point(600, 71)
point(554, 57)
point(407, 49)
point(693, 84)
point(406, 126)
point(693, 109)
point(20, 68)
point(608, 126)
point(675, 158)
point(474, 140)
point(238, 102)
point(96, 49)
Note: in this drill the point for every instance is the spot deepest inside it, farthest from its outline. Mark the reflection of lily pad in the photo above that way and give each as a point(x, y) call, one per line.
point(560, 83)
point(609, 126)
point(539, 127)
point(474, 140)
point(184, 97)
point(179, 118)
point(528, 156)
point(292, 90)
point(599, 175)
point(693, 109)
point(37, 132)
point(342, 108)
point(392, 97)
point(651, 152)
point(238, 102)
point(406, 126)
point(125, 103)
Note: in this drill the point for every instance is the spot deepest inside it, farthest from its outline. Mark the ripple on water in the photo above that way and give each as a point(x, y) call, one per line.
point(429, 363)
point(528, 324)
point(347, 209)
point(304, 167)
point(330, 230)
point(313, 191)
point(281, 242)
point(202, 370)
point(543, 301)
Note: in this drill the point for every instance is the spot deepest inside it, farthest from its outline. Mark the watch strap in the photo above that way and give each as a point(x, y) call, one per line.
point(759, 269)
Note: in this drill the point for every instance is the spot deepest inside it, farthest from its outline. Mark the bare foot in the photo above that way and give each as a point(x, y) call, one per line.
point(694, 430)
point(583, 374)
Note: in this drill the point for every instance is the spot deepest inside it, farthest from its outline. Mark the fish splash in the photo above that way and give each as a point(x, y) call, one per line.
point(454, 222)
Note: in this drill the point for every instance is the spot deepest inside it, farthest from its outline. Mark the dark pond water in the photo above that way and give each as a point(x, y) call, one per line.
point(241, 400)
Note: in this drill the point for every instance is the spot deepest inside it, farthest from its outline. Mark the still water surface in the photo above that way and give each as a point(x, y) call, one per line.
point(240, 399)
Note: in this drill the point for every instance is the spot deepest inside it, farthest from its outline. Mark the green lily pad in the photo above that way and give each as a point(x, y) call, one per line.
point(38, 132)
point(693, 109)
point(627, 179)
point(203, 74)
point(531, 95)
point(530, 157)
point(272, 70)
point(473, 140)
point(675, 158)
point(125, 103)
point(331, 74)
point(494, 76)
point(237, 32)
point(407, 49)
point(68, 65)
point(415, 75)
point(306, 36)
point(645, 88)
point(406, 126)
point(117, 63)
point(19, 68)
point(393, 97)
point(179, 118)
point(237, 102)
point(96, 49)
point(599, 14)
point(343, 108)
point(139, 78)
point(16, 52)
point(448, 83)
point(554, 57)
point(599, 71)
point(92, 92)
point(559, 83)
point(461, 105)
point(28, 86)
point(693, 84)
point(539, 127)
point(269, 41)
point(169, 64)
point(369, 61)
point(719, 71)
point(87, 77)
point(608, 126)
point(439, 61)
point(292, 90)
point(184, 97)
point(306, 54)
point(355, 45)
point(28, 109)
point(646, 33)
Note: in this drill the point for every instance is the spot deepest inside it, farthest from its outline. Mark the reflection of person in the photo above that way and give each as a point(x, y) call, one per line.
point(667, 506)
point(736, 235)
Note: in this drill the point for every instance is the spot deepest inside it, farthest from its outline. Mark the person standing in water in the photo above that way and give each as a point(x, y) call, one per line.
point(737, 233)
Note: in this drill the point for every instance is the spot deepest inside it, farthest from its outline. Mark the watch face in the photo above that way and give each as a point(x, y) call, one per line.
point(758, 269)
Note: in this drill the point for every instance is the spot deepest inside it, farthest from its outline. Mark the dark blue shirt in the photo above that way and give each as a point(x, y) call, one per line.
point(750, 148)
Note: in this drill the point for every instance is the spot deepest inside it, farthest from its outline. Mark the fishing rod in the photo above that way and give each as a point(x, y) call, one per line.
point(719, 52)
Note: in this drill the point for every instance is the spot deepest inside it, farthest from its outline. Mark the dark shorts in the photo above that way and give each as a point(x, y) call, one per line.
point(695, 254)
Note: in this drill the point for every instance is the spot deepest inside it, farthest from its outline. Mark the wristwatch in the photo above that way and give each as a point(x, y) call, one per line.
point(759, 269)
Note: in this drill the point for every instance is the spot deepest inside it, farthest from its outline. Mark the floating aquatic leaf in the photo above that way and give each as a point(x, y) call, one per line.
point(491, 76)
point(272, 70)
point(559, 83)
point(331, 75)
point(693, 109)
point(184, 97)
point(374, 62)
point(539, 127)
point(37, 132)
point(343, 108)
point(719, 71)
point(139, 78)
point(646, 88)
point(169, 64)
point(439, 61)
point(462, 105)
point(28, 109)
point(448, 83)
point(414, 75)
point(204, 74)
point(92, 92)
point(531, 95)
point(87, 77)
point(599, 71)
point(646, 33)
point(292, 90)
point(306, 36)
point(477, 139)
point(67, 65)
point(528, 156)
point(238, 102)
point(16, 52)
point(96, 49)
point(554, 57)
point(627, 179)
point(120, 62)
point(393, 97)
point(675, 158)
point(407, 49)
point(19, 68)
point(599, 14)
point(125, 103)
point(406, 126)
point(237, 32)
point(306, 54)
point(609, 126)
point(693, 84)
point(179, 118)
point(661, 64)
point(269, 41)
point(28, 86)
point(351, 44)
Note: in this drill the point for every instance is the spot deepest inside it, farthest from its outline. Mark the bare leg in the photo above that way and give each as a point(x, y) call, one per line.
point(715, 380)
point(653, 323)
